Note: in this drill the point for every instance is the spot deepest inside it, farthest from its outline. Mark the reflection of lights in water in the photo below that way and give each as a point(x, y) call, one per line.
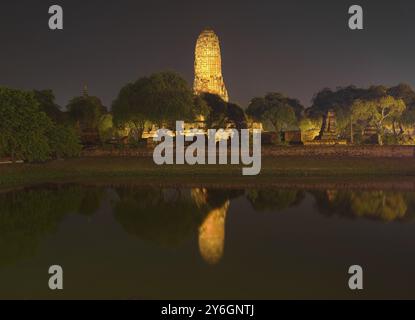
point(212, 230)
point(331, 195)
point(199, 196)
point(212, 235)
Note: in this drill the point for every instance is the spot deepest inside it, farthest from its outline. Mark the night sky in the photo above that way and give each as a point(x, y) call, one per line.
point(291, 46)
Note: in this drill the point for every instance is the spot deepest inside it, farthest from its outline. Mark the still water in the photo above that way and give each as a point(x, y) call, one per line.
point(129, 242)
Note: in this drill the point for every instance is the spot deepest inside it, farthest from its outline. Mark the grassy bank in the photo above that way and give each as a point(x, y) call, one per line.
point(144, 171)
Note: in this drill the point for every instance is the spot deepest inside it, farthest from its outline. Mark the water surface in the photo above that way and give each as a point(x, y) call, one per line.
point(129, 242)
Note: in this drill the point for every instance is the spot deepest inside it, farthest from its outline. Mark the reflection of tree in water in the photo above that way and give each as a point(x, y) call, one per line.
point(91, 201)
point(376, 205)
point(410, 203)
point(274, 199)
point(379, 204)
point(162, 216)
point(27, 216)
point(168, 217)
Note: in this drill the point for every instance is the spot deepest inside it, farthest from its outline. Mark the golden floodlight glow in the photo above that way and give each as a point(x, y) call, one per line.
point(208, 66)
point(212, 235)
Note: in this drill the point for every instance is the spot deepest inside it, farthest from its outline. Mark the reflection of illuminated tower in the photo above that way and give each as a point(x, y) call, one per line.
point(208, 65)
point(212, 235)
point(212, 231)
point(199, 196)
point(331, 195)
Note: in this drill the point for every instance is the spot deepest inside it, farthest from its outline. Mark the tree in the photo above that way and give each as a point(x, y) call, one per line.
point(295, 104)
point(46, 101)
point(23, 127)
point(378, 112)
point(222, 113)
point(106, 127)
point(255, 109)
point(236, 115)
point(64, 142)
point(86, 111)
point(169, 98)
point(218, 110)
point(340, 101)
point(404, 91)
point(408, 118)
point(274, 108)
point(307, 124)
point(201, 109)
point(163, 98)
point(132, 106)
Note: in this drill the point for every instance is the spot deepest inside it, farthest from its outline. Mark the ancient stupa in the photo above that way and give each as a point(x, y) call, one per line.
point(329, 134)
point(329, 128)
point(208, 65)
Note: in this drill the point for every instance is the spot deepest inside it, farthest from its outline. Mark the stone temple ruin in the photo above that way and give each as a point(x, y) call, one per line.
point(329, 135)
point(208, 66)
point(329, 128)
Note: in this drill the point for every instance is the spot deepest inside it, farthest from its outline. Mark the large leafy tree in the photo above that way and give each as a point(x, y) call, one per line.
point(340, 101)
point(405, 92)
point(162, 99)
point(201, 109)
point(64, 141)
point(236, 115)
point(275, 109)
point(131, 106)
point(407, 120)
point(378, 112)
point(106, 128)
point(169, 98)
point(222, 113)
point(23, 127)
point(47, 104)
point(218, 110)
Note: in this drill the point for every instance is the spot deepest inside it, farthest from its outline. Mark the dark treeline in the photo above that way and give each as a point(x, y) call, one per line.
point(34, 128)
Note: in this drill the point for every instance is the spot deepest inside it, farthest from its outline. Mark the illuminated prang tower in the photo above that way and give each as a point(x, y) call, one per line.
point(208, 65)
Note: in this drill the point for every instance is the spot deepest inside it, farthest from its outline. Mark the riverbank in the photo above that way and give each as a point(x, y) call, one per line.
point(327, 151)
point(275, 171)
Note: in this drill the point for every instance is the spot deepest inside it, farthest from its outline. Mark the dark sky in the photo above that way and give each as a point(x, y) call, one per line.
point(293, 46)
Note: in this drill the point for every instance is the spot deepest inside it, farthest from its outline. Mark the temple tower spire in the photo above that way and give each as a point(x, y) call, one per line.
point(208, 65)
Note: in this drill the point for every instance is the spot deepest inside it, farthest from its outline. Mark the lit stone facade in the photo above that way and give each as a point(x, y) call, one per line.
point(208, 66)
